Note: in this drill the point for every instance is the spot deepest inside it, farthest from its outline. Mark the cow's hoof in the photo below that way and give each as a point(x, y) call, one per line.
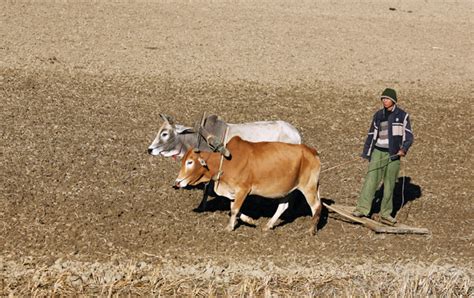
point(313, 231)
point(229, 228)
point(199, 209)
point(248, 220)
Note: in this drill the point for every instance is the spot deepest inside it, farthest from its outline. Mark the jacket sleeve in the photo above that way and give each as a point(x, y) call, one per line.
point(369, 139)
point(407, 134)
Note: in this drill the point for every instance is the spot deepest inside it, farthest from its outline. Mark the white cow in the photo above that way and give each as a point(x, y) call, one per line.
point(174, 140)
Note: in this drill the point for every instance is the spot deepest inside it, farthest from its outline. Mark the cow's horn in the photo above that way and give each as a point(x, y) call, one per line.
point(167, 118)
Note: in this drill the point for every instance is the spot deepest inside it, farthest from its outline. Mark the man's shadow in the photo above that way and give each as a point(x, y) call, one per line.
point(257, 207)
point(404, 192)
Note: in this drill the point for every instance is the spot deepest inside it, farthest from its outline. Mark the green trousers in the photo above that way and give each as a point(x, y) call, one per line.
point(381, 167)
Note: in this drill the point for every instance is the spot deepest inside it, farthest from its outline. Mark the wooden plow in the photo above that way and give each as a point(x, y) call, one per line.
point(377, 227)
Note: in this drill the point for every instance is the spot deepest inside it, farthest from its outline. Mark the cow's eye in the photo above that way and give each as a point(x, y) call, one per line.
point(189, 162)
point(164, 134)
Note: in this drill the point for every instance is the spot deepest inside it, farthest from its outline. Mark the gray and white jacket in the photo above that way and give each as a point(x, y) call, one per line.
point(400, 135)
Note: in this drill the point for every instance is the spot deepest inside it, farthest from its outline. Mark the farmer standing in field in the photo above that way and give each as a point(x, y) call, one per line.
point(388, 140)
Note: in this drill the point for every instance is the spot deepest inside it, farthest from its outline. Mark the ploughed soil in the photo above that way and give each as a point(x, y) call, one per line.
point(82, 87)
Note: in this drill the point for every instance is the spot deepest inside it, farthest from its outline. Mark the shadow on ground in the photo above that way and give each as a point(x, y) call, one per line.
point(404, 192)
point(258, 207)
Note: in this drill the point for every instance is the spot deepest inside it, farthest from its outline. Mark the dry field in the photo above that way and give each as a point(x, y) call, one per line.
point(85, 210)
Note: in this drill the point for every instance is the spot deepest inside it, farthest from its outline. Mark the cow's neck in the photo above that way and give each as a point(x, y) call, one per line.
point(213, 161)
point(189, 140)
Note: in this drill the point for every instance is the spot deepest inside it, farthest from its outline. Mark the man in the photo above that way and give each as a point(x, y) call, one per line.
point(389, 139)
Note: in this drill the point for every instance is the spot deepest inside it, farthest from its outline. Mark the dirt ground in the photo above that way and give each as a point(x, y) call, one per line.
point(81, 89)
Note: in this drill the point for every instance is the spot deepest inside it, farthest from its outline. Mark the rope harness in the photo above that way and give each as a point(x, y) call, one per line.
point(385, 158)
point(353, 160)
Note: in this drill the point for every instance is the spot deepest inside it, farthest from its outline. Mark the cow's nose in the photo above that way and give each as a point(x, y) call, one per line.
point(150, 150)
point(177, 183)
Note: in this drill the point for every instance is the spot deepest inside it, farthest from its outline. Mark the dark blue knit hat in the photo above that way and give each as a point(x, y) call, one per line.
point(389, 93)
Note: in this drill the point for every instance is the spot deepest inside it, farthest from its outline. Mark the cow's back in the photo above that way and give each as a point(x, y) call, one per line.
point(268, 131)
point(272, 168)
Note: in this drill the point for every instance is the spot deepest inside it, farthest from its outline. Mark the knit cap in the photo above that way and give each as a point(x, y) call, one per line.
point(389, 93)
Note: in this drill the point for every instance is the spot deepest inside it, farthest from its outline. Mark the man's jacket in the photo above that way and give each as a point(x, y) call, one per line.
point(400, 135)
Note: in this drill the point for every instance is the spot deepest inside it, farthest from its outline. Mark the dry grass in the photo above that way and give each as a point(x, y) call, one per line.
point(140, 278)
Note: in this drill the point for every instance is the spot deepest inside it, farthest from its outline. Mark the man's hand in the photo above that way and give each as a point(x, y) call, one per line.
point(401, 153)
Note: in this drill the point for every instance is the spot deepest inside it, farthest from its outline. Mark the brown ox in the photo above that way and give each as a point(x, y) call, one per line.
point(267, 169)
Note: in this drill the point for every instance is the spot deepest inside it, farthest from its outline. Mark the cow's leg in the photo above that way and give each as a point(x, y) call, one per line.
point(202, 205)
point(314, 202)
point(235, 208)
point(281, 208)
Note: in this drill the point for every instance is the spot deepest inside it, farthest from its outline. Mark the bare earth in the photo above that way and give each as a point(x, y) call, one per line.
point(84, 209)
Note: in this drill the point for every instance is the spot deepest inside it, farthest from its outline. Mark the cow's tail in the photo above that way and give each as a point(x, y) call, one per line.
point(318, 173)
point(315, 153)
point(318, 204)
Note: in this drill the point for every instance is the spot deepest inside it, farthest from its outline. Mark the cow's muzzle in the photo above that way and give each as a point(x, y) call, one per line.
point(179, 183)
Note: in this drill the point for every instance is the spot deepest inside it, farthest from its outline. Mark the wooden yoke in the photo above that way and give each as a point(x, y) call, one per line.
point(214, 132)
point(219, 172)
point(199, 128)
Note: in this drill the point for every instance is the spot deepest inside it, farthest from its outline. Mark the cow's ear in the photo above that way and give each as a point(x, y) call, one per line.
point(167, 118)
point(202, 162)
point(183, 129)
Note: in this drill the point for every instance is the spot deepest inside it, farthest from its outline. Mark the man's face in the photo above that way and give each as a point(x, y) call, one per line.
point(387, 103)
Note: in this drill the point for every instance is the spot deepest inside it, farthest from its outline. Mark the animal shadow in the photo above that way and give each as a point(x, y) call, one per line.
point(404, 192)
point(258, 207)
